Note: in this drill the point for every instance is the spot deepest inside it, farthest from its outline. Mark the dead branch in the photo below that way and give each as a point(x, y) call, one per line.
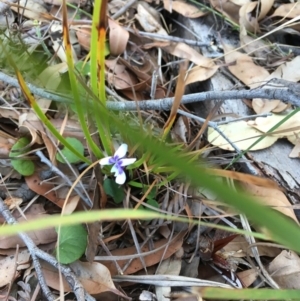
point(289, 92)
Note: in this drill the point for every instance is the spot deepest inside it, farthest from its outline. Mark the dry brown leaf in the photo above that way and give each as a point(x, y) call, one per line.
point(83, 34)
point(118, 38)
point(289, 10)
point(243, 67)
point(265, 6)
point(186, 52)
point(261, 106)
point(11, 265)
point(239, 247)
point(187, 10)
point(288, 128)
point(161, 253)
point(285, 270)
point(94, 277)
point(43, 236)
point(6, 143)
point(271, 197)
point(241, 134)
point(288, 71)
point(179, 130)
point(200, 73)
point(247, 277)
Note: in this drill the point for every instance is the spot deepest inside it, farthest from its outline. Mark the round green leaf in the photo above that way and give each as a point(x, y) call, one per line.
point(24, 166)
point(70, 157)
point(72, 243)
point(114, 190)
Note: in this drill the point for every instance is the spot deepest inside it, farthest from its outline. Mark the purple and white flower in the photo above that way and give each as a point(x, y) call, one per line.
point(119, 162)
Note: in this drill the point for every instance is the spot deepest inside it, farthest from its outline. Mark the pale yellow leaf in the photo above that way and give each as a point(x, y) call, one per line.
point(200, 73)
point(241, 134)
point(288, 128)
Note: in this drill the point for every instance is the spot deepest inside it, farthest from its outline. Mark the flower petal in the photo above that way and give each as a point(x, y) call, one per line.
point(121, 178)
point(105, 161)
point(125, 162)
point(114, 169)
point(121, 151)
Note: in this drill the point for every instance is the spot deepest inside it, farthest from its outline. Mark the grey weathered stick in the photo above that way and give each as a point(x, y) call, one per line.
point(35, 252)
point(289, 93)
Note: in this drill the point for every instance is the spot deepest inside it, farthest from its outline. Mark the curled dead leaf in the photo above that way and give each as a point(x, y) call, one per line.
point(118, 38)
point(285, 270)
point(271, 197)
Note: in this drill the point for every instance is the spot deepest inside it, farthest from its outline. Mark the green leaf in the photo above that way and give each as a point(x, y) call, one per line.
point(69, 155)
point(114, 190)
point(83, 68)
point(152, 203)
point(24, 166)
point(72, 243)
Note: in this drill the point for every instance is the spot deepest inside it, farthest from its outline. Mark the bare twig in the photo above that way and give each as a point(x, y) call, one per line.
point(289, 93)
point(168, 38)
point(35, 252)
point(85, 198)
point(123, 9)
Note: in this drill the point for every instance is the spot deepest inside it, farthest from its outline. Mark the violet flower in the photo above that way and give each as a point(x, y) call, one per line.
point(119, 162)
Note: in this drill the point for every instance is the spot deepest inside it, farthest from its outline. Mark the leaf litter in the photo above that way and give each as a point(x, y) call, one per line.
point(140, 67)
